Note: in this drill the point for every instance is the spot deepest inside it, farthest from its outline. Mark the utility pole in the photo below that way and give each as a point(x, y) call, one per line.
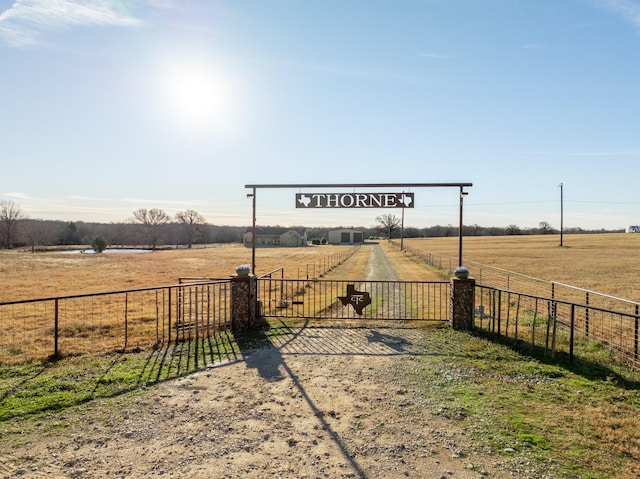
point(561, 212)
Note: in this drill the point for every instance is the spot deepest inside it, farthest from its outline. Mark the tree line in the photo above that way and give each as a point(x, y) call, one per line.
point(151, 228)
point(154, 228)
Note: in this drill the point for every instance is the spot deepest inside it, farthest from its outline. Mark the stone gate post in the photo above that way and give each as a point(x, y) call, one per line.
point(244, 294)
point(462, 303)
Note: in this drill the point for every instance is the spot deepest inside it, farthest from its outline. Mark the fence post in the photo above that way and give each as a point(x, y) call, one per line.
point(126, 321)
point(533, 325)
point(555, 329)
point(462, 303)
point(56, 330)
point(635, 336)
point(169, 317)
point(572, 334)
point(499, 311)
point(586, 316)
point(244, 298)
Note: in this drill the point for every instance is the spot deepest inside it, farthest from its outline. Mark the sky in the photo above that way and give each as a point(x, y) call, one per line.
point(107, 107)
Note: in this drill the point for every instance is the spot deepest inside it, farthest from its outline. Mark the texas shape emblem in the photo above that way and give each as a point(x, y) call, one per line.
point(358, 299)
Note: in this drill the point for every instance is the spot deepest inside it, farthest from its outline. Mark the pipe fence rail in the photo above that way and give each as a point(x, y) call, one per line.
point(44, 328)
point(324, 264)
point(599, 317)
point(321, 299)
point(548, 315)
point(557, 325)
point(509, 280)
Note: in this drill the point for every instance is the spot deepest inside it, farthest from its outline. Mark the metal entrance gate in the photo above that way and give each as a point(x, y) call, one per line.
point(378, 300)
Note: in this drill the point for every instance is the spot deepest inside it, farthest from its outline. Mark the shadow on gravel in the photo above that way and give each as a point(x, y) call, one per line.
point(53, 386)
point(394, 342)
point(267, 350)
point(38, 387)
point(365, 338)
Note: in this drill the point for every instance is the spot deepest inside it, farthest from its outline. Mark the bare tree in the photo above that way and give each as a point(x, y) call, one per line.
point(512, 230)
point(10, 217)
point(37, 232)
point(389, 222)
point(153, 222)
point(190, 221)
point(544, 228)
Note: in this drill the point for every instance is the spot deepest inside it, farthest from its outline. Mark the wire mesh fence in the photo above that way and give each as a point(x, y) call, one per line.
point(120, 320)
point(556, 325)
point(609, 320)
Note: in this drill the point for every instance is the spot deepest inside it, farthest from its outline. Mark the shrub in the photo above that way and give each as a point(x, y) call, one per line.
point(99, 244)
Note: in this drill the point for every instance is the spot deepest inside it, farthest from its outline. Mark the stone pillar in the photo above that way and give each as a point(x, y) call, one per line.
point(462, 303)
point(244, 294)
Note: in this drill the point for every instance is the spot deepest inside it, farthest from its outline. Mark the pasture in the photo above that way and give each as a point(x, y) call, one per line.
point(28, 275)
point(118, 301)
point(599, 262)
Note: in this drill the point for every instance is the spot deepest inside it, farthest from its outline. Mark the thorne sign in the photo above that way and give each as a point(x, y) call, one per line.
point(354, 200)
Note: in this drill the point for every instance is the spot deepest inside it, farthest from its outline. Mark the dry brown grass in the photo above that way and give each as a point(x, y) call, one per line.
point(38, 275)
point(406, 266)
point(411, 268)
point(364, 264)
point(600, 262)
point(137, 318)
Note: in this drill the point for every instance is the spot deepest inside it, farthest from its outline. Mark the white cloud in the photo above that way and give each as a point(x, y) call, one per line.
point(348, 71)
point(26, 21)
point(21, 196)
point(161, 4)
point(87, 208)
point(435, 56)
point(628, 9)
point(595, 154)
point(607, 154)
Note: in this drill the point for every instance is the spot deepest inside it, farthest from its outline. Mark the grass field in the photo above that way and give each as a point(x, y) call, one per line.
point(36, 275)
point(143, 313)
point(600, 262)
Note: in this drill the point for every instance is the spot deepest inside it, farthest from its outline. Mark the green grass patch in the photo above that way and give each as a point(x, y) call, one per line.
point(50, 386)
point(567, 419)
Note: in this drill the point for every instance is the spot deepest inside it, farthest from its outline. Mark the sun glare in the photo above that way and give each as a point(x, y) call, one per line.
point(195, 99)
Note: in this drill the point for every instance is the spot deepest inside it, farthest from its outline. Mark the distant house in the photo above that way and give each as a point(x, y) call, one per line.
point(287, 239)
point(346, 236)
